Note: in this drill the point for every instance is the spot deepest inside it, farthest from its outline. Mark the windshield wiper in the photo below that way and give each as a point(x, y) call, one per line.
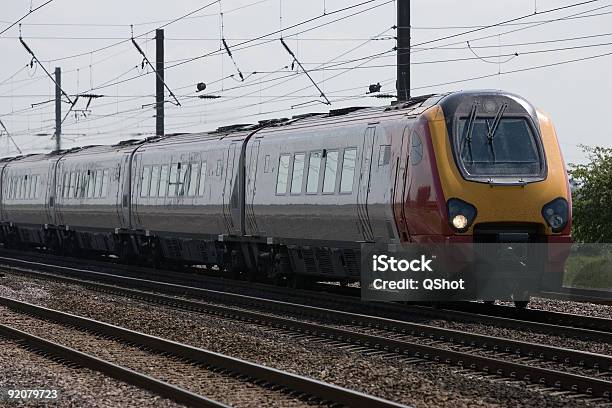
point(468, 130)
point(492, 129)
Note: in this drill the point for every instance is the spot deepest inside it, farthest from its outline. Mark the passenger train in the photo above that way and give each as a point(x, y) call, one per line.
point(293, 199)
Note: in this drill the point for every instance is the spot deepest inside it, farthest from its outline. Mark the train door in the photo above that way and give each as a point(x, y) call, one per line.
point(136, 186)
point(4, 191)
point(363, 191)
point(229, 185)
point(251, 182)
point(399, 187)
point(54, 190)
point(121, 178)
point(56, 203)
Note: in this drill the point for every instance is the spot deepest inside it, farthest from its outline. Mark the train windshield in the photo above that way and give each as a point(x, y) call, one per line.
point(490, 147)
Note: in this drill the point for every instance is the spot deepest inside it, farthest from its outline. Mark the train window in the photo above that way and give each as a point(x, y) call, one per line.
point(184, 177)
point(63, 187)
point(163, 180)
point(69, 186)
point(298, 173)
point(384, 155)
point(104, 183)
point(202, 179)
point(28, 189)
point(283, 174)
point(174, 175)
point(145, 184)
point(219, 167)
point(416, 149)
point(91, 186)
point(193, 180)
point(84, 184)
point(267, 164)
point(314, 166)
point(331, 168)
point(77, 184)
point(34, 187)
point(19, 195)
point(98, 189)
point(348, 170)
point(154, 191)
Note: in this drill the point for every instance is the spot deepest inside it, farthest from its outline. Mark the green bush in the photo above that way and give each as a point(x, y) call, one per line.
point(592, 198)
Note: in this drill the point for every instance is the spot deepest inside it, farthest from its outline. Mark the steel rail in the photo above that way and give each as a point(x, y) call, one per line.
point(503, 345)
point(597, 296)
point(115, 371)
point(398, 310)
point(564, 324)
point(300, 384)
point(551, 378)
point(536, 315)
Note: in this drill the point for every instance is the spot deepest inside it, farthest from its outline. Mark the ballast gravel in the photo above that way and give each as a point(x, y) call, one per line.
point(414, 383)
point(23, 369)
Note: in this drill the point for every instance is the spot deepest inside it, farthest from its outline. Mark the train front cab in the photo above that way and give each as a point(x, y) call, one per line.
point(491, 172)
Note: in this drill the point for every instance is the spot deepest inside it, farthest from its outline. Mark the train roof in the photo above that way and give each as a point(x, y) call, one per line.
point(414, 106)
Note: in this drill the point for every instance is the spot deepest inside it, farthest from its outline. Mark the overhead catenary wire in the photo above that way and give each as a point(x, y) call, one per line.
point(24, 16)
point(512, 20)
point(243, 44)
point(312, 70)
point(127, 40)
point(417, 47)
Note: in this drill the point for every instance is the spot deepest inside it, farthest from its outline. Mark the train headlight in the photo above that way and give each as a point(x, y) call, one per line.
point(461, 215)
point(556, 214)
point(460, 222)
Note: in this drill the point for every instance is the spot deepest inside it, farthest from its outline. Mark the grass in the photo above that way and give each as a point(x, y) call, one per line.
point(589, 271)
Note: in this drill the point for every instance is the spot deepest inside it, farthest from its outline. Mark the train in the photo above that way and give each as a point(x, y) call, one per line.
point(292, 200)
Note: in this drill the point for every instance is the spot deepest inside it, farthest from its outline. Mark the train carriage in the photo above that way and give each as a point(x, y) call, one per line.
point(297, 197)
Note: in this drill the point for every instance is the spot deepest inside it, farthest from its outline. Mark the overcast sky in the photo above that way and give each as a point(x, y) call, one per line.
point(576, 95)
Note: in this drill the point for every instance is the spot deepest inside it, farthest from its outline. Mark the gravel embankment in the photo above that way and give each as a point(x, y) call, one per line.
point(77, 387)
point(563, 306)
point(200, 380)
point(420, 384)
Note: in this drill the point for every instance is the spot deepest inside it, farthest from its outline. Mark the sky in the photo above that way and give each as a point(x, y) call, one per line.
point(561, 66)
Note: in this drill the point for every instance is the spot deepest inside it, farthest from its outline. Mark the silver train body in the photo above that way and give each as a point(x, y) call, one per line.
point(297, 193)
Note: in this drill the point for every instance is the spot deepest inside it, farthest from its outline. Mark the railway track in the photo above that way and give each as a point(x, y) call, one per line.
point(549, 322)
point(140, 359)
point(552, 367)
point(598, 296)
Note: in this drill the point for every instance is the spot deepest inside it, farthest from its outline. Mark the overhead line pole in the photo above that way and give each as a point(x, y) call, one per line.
point(58, 109)
point(159, 82)
point(403, 50)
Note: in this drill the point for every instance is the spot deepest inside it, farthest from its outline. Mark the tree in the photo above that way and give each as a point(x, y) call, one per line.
point(592, 199)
